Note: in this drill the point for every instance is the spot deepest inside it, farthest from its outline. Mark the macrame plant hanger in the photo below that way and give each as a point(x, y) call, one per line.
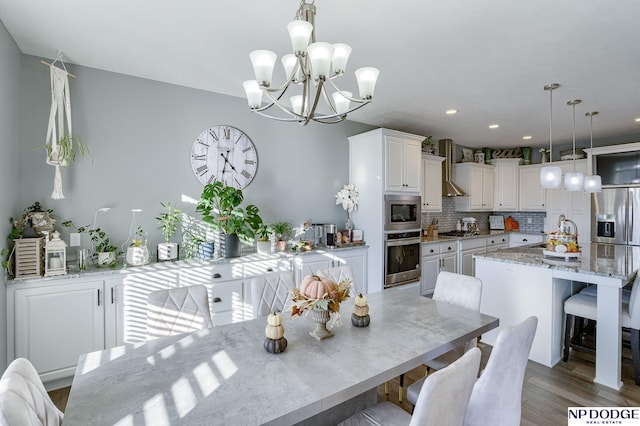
point(60, 109)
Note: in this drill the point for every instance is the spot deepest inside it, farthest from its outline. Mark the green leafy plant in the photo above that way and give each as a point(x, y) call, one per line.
point(428, 144)
point(99, 239)
point(68, 147)
point(139, 238)
point(220, 207)
point(282, 229)
point(169, 220)
point(264, 232)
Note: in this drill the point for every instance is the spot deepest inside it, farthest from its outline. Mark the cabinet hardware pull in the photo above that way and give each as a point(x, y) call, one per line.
point(98, 297)
point(216, 275)
point(269, 269)
point(431, 250)
point(217, 300)
point(113, 295)
point(524, 240)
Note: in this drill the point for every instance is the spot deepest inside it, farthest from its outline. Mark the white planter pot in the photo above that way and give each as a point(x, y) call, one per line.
point(137, 256)
point(263, 247)
point(168, 251)
point(106, 258)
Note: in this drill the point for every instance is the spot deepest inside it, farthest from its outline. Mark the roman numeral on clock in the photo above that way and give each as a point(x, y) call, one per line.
point(246, 174)
point(249, 162)
point(213, 134)
point(202, 170)
point(227, 133)
point(200, 157)
point(247, 149)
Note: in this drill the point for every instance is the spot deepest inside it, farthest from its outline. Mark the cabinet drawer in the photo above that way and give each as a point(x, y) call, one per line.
point(473, 243)
point(450, 247)
point(225, 296)
point(430, 249)
point(497, 240)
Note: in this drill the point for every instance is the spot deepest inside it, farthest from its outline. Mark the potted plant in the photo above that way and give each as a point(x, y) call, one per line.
point(220, 207)
point(105, 253)
point(168, 222)
point(282, 230)
point(137, 252)
point(428, 145)
point(263, 245)
point(66, 150)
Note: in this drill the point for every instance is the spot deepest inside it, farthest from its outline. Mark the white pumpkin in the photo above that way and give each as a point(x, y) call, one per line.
point(274, 331)
point(361, 311)
point(274, 318)
point(361, 300)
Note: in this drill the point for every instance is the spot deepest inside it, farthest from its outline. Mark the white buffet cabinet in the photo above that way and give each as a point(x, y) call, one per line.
point(52, 321)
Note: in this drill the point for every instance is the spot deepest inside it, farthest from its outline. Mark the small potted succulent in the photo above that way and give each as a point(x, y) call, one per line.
point(264, 232)
point(282, 230)
point(168, 222)
point(137, 252)
point(428, 145)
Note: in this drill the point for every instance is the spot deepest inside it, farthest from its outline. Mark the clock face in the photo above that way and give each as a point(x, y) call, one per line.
point(225, 154)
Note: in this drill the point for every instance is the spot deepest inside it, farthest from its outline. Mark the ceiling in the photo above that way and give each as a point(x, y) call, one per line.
point(488, 59)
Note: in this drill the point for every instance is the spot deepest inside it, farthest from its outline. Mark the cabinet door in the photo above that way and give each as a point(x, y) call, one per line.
point(357, 259)
point(505, 182)
point(431, 185)
point(467, 261)
point(395, 168)
point(54, 325)
point(476, 188)
point(412, 166)
point(449, 262)
point(532, 195)
point(487, 188)
point(429, 273)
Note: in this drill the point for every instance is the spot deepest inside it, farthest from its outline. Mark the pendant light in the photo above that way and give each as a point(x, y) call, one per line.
point(592, 183)
point(550, 176)
point(574, 181)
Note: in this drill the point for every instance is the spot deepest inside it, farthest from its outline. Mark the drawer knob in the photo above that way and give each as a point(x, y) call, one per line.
point(217, 300)
point(269, 269)
point(217, 275)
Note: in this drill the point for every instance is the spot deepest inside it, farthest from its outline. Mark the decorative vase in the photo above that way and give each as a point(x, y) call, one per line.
point(230, 245)
point(321, 317)
point(348, 224)
point(526, 155)
point(168, 251)
point(205, 250)
point(106, 258)
point(263, 247)
point(544, 157)
point(137, 256)
point(281, 245)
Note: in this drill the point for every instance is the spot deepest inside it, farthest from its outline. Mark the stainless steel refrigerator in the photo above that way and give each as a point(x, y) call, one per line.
point(616, 216)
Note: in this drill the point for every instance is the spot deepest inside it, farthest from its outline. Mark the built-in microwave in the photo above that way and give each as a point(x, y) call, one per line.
point(402, 212)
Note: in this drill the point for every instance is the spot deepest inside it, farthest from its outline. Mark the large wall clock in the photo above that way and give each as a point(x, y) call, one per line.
point(226, 154)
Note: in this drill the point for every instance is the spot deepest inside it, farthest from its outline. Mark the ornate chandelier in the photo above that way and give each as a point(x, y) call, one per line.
point(310, 70)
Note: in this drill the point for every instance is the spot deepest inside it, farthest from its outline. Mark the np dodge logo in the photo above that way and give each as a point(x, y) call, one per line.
point(626, 416)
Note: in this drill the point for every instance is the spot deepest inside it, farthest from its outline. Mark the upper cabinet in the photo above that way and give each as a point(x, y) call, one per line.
point(505, 184)
point(532, 195)
point(476, 180)
point(575, 205)
point(431, 183)
point(403, 168)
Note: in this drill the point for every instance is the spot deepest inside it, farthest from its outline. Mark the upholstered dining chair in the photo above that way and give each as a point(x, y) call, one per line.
point(443, 399)
point(270, 292)
point(340, 273)
point(456, 289)
point(584, 305)
point(23, 398)
point(177, 310)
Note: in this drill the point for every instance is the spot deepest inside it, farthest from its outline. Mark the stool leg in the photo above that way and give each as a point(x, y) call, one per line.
point(400, 388)
point(386, 388)
point(567, 336)
point(635, 353)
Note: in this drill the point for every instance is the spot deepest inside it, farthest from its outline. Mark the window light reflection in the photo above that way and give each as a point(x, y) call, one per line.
point(225, 364)
point(155, 411)
point(183, 396)
point(206, 378)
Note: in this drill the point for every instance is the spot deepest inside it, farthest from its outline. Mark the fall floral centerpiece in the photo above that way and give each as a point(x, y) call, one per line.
point(322, 297)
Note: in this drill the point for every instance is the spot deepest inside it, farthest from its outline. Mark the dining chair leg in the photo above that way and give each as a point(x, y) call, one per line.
point(386, 388)
point(400, 388)
point(635, 353)
point(567, 336)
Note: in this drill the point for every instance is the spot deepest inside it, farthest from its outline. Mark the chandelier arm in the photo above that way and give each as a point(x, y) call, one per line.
point(360, 101)
point(328, 101)
point(311, 112)
point(279, 105)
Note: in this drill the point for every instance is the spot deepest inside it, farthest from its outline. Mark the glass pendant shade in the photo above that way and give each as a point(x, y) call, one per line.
point(550, 177)
point(367, 78)
point(320, 55)
point(340, 58)
point(299, 32)
point(573, 181)
point(341, 103)
point(288, 63)
point(593, 183)
point(263, 62)
point(253, 92)
point(296, 104)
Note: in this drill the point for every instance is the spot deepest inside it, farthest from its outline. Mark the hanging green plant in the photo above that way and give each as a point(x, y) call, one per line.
point(66, 150)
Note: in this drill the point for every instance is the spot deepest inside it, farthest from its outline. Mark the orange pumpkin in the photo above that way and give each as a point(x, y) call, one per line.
point(315, 287)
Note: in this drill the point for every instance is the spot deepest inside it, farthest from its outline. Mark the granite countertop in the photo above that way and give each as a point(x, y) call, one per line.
point(444, 238)
point(597, 259)
point(123, 268)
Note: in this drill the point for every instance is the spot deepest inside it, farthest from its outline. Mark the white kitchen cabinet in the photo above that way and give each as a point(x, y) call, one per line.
point(403, 168)
point(53, 322)
point(431, 183)
point(532, 195)
point(497, 242)
point(308, 264)
point(357, 259)
point(437, 257)
point(505, 184)
point(476, 180)
point(517, 239)
point(468, 248)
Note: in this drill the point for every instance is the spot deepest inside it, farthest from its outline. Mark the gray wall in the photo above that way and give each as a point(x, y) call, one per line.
point(10, 59)
point(140, 133)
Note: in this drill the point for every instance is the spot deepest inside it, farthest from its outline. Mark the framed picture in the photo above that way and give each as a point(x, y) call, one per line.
point(467, 155)
point(356, 235)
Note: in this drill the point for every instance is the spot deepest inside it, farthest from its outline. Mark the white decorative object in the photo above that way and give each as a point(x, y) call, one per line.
point(592, 183)
point(550, 176)
point(137, 256)
point(574, 181)
point(28, 252)
point(55, 256)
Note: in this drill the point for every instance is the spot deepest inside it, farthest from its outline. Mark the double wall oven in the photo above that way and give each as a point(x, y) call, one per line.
point(402, 251)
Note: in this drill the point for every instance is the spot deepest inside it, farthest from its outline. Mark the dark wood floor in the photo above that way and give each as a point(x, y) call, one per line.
point(546, 394)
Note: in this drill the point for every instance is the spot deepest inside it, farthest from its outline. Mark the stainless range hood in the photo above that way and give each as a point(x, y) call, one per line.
point(449, 189)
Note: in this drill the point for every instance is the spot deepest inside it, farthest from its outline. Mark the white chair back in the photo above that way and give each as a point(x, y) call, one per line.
point(458, 289)
point(340, 273)
point(445, 394)
point(496, 397)
point(270, 292)
point(634, 304)
point(177, 310)
point(23, 398)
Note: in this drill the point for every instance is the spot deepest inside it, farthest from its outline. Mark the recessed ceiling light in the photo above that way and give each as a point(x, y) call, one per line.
point(494, 126)
point(451, 111)
point(527, 137)
point(637, 119)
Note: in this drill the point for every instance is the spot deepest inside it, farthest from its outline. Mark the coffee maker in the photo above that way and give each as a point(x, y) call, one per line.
point(330, 235)
point(318, 234)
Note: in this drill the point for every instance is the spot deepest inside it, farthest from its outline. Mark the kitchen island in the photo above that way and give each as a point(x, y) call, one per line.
point(520, 281)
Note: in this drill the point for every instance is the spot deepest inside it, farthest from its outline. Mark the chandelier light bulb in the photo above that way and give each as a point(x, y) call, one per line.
point(550, 177)
point(263, 62)
point(300, 33)
point(341, 103)
point(253, 92)
point(320, 55)
point(341, 53)
point(288, 63)
point(367, 78)
point(573, 181)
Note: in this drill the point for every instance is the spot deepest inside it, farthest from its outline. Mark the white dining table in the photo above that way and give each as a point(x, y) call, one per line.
point(224, 376)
